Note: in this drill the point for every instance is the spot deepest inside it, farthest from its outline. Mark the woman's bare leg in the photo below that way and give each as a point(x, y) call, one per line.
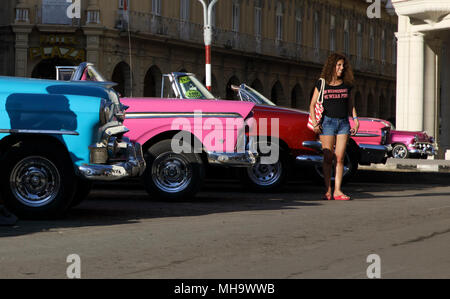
point(328, 156)
point(341, 145)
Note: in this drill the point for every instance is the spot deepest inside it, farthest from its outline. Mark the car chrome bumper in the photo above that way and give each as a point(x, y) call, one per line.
point(134, 166)
point(232, 159)
point(369, 153)
point(372, 153)
point(306, 160)
point(422, 149)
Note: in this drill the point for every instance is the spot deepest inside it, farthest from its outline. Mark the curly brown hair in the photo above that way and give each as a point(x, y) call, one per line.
point(330, 67)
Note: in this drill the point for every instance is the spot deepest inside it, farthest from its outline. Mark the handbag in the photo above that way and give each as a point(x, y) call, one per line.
point(318, 109)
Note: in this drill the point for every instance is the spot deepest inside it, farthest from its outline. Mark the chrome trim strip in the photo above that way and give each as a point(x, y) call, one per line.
point(316, 145)
point(309, 159)
point(367, 135)
point(50, 132)
point(144, 115)
point(373, 147)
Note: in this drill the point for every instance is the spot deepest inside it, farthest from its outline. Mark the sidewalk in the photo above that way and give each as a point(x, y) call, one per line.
point(410, 165)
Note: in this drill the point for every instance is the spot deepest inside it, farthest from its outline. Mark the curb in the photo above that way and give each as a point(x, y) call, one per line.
point(410, 165)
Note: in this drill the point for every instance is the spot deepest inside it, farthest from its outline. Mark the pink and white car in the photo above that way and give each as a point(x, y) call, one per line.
point(181, 137)
point(402, 144)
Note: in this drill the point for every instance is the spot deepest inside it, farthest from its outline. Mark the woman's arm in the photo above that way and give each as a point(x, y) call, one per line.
point(352, 108)
point(312, 111)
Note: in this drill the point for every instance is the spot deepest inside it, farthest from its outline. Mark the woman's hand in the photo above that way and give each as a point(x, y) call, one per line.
point(317, 129)
point(355, 129)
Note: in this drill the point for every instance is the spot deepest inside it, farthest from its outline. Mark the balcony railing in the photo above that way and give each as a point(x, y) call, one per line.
point(179, 29)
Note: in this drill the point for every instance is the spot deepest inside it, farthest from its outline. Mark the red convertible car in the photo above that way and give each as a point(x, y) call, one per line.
point(297, 145)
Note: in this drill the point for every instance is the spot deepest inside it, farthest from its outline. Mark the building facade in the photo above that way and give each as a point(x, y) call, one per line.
point(423, 73)
point(276, 46)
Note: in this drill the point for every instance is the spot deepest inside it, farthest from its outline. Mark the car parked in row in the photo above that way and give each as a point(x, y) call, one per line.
point(401, 144)
point(55, 139)
point(180, 138)
point(278, 128)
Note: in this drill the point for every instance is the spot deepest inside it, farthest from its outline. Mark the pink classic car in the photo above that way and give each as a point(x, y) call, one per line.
point(180, 138)
point(402, 144)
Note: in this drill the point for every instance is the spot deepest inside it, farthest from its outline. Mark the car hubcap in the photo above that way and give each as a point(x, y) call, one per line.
point(171, 173)
point(265, 175)
point(399, 152)
point(35, 181)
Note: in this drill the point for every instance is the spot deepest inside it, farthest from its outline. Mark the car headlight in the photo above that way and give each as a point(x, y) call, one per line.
point(384, 135)
point(106, 112)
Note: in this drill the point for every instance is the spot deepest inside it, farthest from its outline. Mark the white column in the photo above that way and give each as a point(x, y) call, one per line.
point(431, 87)
point(416, 83)
point(444, 141)
point(403, 43)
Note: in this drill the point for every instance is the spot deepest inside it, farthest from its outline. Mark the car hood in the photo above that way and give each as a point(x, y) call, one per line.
point(39, 86)
point(422, 136)
point(140, 105)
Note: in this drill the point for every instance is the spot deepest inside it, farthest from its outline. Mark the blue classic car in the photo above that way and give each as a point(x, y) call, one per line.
point(55, 139)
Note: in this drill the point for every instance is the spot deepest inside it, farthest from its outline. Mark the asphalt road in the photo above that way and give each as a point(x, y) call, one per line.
point(227, 232)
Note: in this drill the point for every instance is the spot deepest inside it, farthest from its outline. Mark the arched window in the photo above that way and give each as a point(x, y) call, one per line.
point(122, 76)
point(277, 94)
point(152, 82)
point(230, 93)
point(297, 98)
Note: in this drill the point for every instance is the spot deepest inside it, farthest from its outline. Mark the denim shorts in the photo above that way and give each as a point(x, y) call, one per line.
point(335, 126)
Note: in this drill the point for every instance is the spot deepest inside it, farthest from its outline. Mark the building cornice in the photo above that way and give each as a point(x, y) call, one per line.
point(425, 11)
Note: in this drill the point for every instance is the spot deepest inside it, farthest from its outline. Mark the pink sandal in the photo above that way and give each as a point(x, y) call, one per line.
point(342, 197)
point(327, 197)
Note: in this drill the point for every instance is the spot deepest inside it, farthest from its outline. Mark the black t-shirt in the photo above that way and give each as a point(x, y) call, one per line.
point(335, 99)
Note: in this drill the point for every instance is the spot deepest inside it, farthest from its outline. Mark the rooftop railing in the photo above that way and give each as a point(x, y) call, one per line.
point(184, 30)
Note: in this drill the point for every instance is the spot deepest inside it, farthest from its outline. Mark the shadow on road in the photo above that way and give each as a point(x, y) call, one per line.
point(127, 202)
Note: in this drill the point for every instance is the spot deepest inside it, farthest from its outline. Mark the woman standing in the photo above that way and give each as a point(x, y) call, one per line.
point(334, 128)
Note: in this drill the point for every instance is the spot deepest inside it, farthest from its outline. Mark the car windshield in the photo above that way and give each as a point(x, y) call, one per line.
point(257, 96)
point(388, 124)
point(192, 88)
point(91, 74)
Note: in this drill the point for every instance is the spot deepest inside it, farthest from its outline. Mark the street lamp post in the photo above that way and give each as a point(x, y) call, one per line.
point(207, 11)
